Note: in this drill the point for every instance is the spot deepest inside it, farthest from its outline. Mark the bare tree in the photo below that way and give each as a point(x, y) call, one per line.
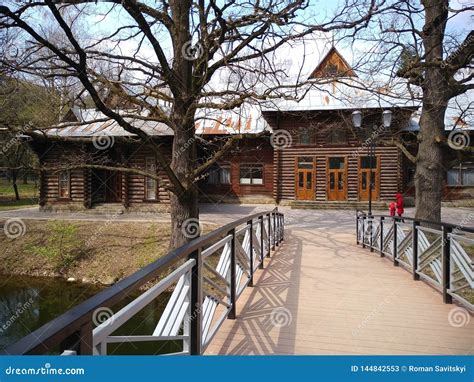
point(423, 43)
point(174, 58)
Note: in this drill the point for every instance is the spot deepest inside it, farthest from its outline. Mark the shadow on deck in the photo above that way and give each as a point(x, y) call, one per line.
point(322, 294)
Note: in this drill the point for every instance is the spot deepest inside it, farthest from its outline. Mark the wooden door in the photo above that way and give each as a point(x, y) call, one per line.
point(366, 171)
point(305, 178)
point(113, 187)
point(337, 178)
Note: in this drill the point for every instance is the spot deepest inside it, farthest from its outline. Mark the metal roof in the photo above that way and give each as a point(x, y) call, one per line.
point(342, 94)
point(90, 122)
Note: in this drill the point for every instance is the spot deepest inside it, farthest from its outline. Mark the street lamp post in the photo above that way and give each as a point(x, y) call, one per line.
point(357, 122)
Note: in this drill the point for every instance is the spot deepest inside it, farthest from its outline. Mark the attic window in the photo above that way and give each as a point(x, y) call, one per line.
point(333, 71)
point(336, 136)
point(305, 137)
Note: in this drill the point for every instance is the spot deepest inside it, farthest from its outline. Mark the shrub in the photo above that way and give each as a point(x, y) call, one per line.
point(62, 246)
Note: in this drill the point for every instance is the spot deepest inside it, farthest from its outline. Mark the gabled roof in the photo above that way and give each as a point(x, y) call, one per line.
point(333, 65)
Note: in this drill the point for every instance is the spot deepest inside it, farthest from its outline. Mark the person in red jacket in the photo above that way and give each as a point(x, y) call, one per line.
point(392, 207)
point(400, 209)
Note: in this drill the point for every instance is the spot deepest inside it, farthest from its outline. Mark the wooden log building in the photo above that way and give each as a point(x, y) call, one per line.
point(304, 153)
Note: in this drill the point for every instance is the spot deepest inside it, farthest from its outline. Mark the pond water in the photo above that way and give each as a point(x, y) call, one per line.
point(27, 303)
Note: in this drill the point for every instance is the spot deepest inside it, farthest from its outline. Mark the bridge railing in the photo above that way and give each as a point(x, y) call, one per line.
point(205, 278)
point(440, 254)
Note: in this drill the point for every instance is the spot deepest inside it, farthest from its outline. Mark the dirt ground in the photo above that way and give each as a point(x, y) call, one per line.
point(94, 252)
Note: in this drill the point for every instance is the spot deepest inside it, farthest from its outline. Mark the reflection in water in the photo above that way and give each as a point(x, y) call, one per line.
point(27, 303)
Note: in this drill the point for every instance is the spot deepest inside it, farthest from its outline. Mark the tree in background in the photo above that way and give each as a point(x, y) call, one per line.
point(23, 106)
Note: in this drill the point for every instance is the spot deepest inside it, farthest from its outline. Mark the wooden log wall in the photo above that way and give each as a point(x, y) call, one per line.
point(53, 156)
point(285, 179)
point(320, 126)
point(135, 184)
point(83, 188)
point(247, 151)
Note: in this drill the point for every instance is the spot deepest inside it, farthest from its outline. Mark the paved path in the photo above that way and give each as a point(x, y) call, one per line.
point(321, 294)
point(225, 213)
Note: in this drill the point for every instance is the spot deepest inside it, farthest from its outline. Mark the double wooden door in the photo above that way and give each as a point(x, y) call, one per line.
point(305, 169)
point(369, 175)
point(337, 178)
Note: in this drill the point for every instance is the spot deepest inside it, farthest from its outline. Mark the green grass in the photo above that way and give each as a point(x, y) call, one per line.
point(15, 204)
point(28, 195)
point(25, 190)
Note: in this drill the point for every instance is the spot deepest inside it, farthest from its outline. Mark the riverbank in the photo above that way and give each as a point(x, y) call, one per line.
point(91, 252)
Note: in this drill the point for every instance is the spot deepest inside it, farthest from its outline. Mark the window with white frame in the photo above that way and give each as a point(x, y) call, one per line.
point(150, 183)
point(251, 174)
point(64, 183)
point(461, 175)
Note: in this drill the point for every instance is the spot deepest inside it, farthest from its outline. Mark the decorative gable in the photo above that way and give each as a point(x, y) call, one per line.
point(333, 65)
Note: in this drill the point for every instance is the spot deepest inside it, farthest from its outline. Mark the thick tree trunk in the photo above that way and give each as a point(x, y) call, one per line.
point(184, 219)
point(429, 175)
point(184, 206)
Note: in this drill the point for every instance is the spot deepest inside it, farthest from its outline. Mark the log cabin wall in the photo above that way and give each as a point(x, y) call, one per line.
point(132, 188)
point(322, 141)
point(247, 152)
point(136, 185)
point(83, 190)
point(52, 155)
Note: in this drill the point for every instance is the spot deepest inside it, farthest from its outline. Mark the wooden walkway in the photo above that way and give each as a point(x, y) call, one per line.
point(322, 294)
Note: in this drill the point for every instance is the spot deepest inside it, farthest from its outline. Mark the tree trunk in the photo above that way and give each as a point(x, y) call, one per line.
point(184, 219)
point(25, 178)
point(15, 186)
point(184, 205)
point(429, 175)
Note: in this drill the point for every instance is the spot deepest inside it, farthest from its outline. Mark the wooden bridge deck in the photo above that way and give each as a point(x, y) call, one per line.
point(322, 294)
